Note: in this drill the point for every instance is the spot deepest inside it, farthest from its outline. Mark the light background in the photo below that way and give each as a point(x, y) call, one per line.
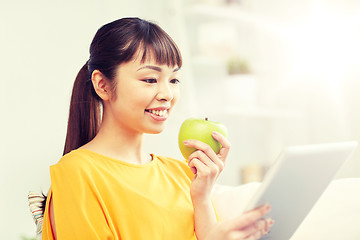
point(303, 87)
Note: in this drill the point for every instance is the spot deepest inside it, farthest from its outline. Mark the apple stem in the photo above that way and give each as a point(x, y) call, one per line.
point(206, 119)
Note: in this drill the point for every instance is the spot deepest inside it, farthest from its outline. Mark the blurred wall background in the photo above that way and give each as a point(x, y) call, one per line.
point(275, 72)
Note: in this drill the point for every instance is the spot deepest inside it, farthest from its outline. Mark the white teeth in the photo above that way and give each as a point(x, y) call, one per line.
point(160, 113)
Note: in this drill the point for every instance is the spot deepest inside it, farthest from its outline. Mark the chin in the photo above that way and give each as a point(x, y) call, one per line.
point(155, 130)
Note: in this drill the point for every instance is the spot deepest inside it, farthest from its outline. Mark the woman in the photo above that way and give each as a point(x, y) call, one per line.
point(105, 187)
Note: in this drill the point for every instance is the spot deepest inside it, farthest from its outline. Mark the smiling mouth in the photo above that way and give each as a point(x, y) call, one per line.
point(160, 113)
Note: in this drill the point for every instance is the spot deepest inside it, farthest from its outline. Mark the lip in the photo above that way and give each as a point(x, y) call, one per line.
point(160, 108)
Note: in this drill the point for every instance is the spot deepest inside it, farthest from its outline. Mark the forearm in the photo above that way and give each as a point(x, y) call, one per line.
point(204, 218)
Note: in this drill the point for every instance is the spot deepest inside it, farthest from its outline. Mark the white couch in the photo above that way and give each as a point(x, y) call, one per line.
point(336, 215)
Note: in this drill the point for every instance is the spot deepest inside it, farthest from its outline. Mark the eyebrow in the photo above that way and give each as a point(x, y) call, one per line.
point(155, 68)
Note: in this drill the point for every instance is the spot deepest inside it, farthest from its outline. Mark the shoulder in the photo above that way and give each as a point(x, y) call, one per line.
point(74, 161)
point(74, 170)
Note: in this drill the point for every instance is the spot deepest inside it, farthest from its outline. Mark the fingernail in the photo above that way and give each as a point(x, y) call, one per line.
point(186, 142)
point(215, 133)
point(267, 207)
point(271, 222)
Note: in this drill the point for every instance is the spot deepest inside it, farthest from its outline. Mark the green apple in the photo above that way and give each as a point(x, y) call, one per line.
point(200, 129)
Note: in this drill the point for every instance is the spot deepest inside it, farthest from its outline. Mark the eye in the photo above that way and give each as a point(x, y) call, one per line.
point(175, 81)
point(149, 80)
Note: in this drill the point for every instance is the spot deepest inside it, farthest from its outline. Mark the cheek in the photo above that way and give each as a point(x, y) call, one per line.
point(176, 96)
point(140, 99)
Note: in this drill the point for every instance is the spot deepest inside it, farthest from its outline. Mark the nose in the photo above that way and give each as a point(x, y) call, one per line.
point(165, 92)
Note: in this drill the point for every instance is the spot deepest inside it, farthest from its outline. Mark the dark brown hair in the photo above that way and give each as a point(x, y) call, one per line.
point(114, 43)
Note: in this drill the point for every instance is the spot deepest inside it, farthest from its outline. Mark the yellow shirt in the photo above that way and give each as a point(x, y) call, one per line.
point(97, 197)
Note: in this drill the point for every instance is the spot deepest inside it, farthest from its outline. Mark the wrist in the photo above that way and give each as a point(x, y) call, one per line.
point(204, 218)
point(201, 205)
point(201, 200)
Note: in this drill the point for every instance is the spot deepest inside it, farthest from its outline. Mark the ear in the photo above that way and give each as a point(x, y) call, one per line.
point(101, 85)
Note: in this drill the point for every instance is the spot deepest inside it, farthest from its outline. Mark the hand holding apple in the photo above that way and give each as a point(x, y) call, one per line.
point(200, 129)
point(204, 144)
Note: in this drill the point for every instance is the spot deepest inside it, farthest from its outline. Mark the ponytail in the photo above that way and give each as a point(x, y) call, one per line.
point(84, 114)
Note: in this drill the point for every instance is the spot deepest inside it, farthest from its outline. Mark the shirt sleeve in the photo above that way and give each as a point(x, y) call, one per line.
point(77, 204)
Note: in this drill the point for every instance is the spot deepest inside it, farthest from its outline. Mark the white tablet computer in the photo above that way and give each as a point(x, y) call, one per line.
point(296, 181)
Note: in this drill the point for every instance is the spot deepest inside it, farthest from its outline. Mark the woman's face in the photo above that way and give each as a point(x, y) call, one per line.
point(144, 97)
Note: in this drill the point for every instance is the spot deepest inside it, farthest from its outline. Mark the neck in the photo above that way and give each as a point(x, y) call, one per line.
point(117, 143)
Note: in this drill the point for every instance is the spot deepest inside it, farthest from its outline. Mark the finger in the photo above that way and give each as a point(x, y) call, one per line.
point(193, 169)
point(215, 164)
point(255, 236)
point(213, 170)
point(206, 149)
point(201, 156)
point(239, 235)
point(201, 168)
point(257, 229)
point(262, 226)
point(249, 217)
point(225, 145)
point(201, 146)
point(269, 223)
